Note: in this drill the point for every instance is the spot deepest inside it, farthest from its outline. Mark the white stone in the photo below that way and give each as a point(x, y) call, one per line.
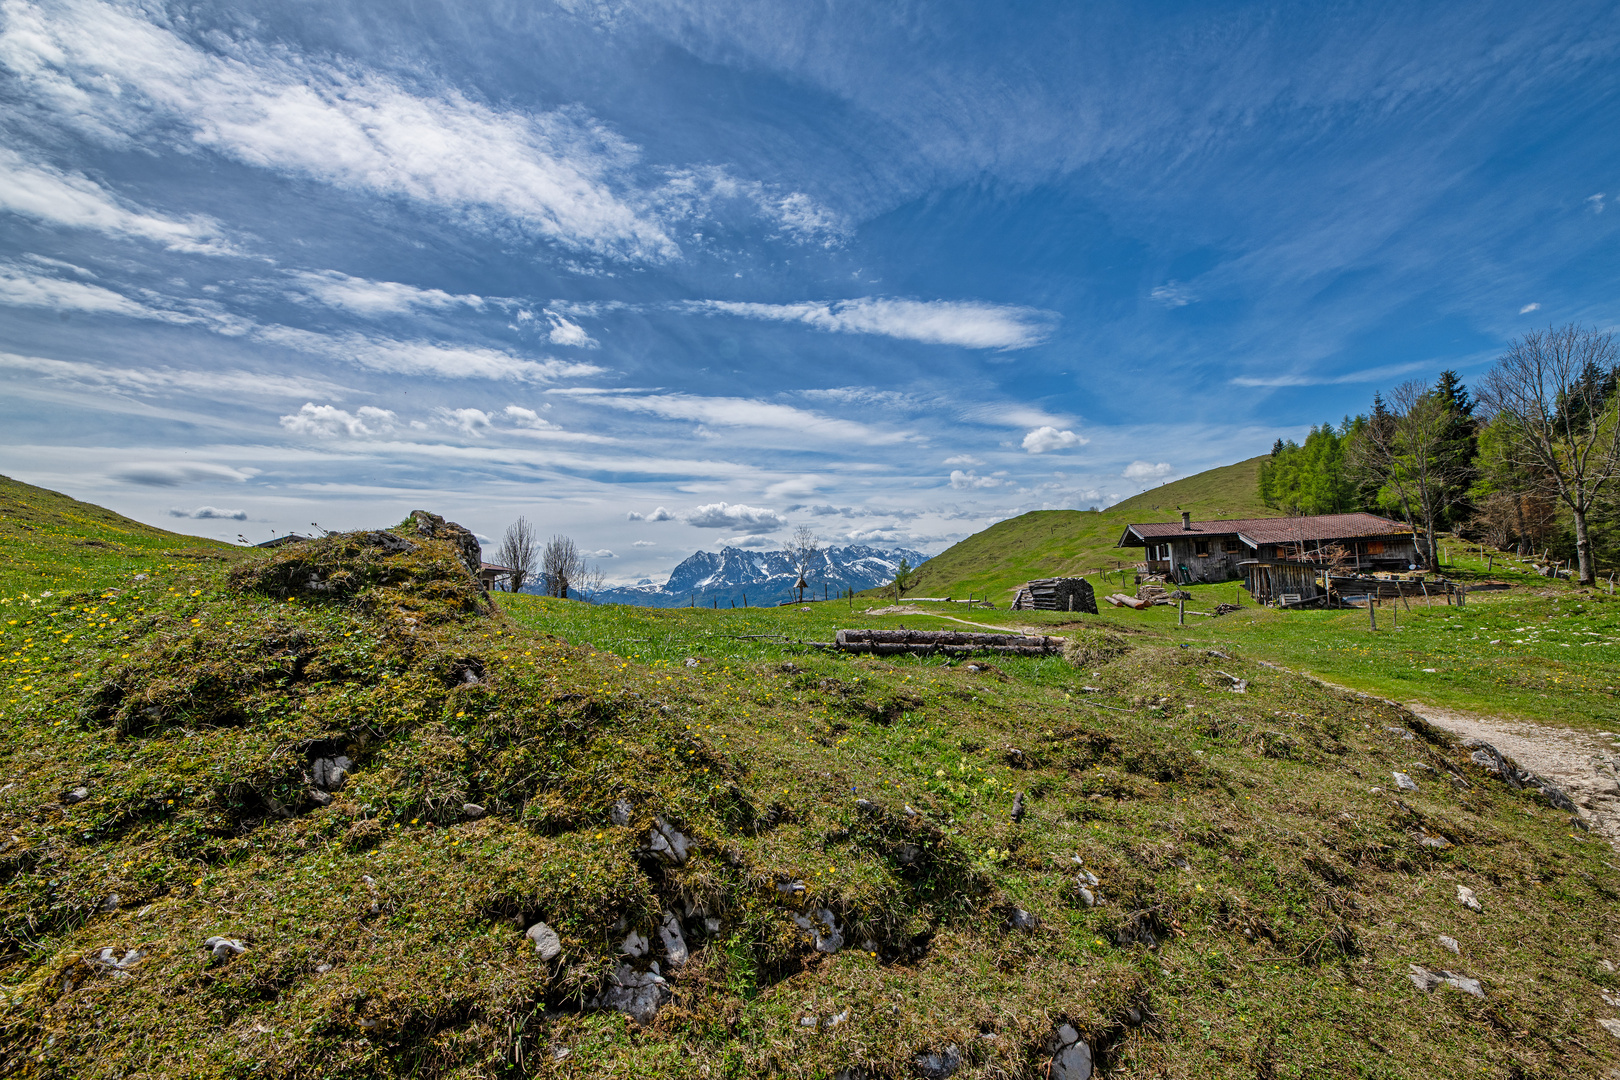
point(1404, 782)
point(546, 941)
point(669, 931)
point(634, 945)
point(1449, 944)
point(1466, 897)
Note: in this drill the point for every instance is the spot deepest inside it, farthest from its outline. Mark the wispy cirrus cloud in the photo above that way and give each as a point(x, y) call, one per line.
point(363, 296)
point(228, 384)
point(968, 323)
point(1303, 378)
point(437, 359)
point(209, 513)
point(57, 197)
point(735, 413)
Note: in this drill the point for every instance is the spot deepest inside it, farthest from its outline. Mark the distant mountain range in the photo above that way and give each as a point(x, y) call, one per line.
point(763, 578)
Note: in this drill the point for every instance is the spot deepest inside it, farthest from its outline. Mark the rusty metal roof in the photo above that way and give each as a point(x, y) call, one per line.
point(1280, 530)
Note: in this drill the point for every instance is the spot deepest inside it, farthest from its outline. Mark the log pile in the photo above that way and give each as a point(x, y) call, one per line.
point(1153, 593)
point(1056, 594)
point(1119, 599)
point(943, 643)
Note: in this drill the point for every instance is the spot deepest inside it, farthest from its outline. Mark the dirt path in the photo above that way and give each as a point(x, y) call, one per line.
point(1584, 765)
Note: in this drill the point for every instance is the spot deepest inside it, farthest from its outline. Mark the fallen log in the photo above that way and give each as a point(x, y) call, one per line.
point(947, 642)
point(1121, 600)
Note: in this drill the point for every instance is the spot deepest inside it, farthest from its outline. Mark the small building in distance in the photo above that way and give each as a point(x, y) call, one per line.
point(1272, 555)
point(490, 573)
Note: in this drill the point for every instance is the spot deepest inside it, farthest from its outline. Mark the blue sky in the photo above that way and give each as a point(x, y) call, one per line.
point(667, 275)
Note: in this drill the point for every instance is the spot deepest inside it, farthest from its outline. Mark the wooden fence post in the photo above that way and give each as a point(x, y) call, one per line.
point(1372, 616)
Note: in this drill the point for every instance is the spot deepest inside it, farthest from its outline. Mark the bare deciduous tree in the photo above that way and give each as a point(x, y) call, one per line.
point(591, 582)
point(802, 549)
point(1557, 390)
point(561, 565)
point(519, 553)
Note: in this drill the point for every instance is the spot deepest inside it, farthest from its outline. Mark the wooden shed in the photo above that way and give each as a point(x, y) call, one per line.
point(1192, 552)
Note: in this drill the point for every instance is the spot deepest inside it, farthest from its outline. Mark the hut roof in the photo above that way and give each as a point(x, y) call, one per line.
point(1279, 530)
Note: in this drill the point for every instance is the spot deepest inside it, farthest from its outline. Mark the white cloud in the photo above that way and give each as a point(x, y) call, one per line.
point(1595, 202)
point(564, 332)
point(21, 287)
point(419, 357)
point(173, 474)
point(659, 514)
point(968, 323)
point(735, 517)
point(1366, 375)
point(365, 297)
point(962, 459)
point(1172, 294)
point(967, 481)
point(208, 513)
point(231, 384)
point(38, 191)
point(1046, 438)
point(1146, 470)
point(737, 412)
point(525, 418)
point(116, 77)
point(749, 542)
point(1528, 308)
point(644, 543)
point(466, 421)
point(329, 421)
point(603, 553)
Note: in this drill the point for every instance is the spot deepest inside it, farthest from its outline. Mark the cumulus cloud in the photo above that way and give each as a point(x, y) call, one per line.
point(329, 421)
point(602, 553)
point(363, 296)
point(749, 542)
point(643, 543)
point(1528, 308)
point(525, 418)
point(72, 200)
point(967, 481)
point(564, 332)
point(207, 513)
point(1046, 439)
point(968, 323)
point(115, 76)
point(174, 474)
point(750, 520)
point(466, 421)
point(659, 514)
point(1146, 470)
point(429, 358)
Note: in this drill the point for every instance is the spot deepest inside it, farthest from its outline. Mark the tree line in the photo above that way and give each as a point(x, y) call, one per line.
point(1530, 460)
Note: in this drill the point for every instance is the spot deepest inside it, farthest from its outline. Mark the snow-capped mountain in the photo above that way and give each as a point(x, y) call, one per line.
point(763, 577)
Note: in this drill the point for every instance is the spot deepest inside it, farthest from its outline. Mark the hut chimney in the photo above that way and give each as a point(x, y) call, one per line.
point(1186, 521)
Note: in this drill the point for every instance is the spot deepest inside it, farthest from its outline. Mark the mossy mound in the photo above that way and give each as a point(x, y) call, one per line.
point(376, 787)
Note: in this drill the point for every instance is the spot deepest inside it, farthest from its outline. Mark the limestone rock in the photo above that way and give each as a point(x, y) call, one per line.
point(1071, 1056)
point(1087, 897)
point(634, 945)
point(1404, 782)
point(1449, 944)
point(119, 962)
point(667, 842)
point(669, 931)
point(472, 811)
point(1466, 897)
point(829, 938)
point(546, 941)
point(224, 948)
point(1611, 1026)
point(1427, 980)
point(331, 772)
point(619, 813)
point(637, 994)
point(77, 795)
point(939, 1064)
point(1022, 920)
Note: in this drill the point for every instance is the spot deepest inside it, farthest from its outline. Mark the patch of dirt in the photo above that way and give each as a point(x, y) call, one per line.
point(1585, 765)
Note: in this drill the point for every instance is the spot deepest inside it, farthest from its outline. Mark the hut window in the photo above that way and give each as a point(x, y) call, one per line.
point(1231, 545)
point(1200, 547)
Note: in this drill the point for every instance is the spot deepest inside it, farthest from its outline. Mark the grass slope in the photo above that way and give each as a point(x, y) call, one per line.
point(1075, 543)
point(51, 541)
point(1260, 886)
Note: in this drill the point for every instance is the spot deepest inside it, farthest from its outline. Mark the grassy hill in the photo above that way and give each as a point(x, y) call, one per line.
point(52, 541)
point(820, 852)
point(1079, 543)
